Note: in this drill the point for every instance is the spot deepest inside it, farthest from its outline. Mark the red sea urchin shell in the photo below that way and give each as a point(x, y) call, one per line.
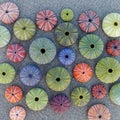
point(99, 91)
point(99, 112)
point(113, 47)
point(16, 52)
point(9, 12)
point(89, 21)
point(60, 103)
point(46, 20)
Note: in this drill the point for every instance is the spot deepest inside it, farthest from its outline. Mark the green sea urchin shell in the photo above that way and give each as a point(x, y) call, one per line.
point(115, 94)
point(67, 14)
point(7, 73)
point(66, 34)
point(58, 78)
point(4, 36)
point(36, 99)
point(42, 50)
point(108, 70)
point(91, 46)
point(80, 96)
point(24, 29)
point(111, 24)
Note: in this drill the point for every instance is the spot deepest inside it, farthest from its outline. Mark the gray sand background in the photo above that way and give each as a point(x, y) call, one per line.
point(29, 8)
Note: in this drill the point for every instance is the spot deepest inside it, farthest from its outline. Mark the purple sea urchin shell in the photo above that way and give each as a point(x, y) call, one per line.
point(60, 103)
point(30, 75)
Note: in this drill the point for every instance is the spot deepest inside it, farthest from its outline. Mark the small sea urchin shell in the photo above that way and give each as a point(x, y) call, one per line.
point(113, 47)
point(13, 94)
point(7, 73)
point(60, 103)
point(66, 56)
point(16, 53)
point(99, 91)
point(80, 96)
point(17, 113)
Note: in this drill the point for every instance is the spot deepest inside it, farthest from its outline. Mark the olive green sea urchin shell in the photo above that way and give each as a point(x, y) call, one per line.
point(66, 34)
point(80, 96)
point(108, 70)
point(58, 78)
point(24, 29)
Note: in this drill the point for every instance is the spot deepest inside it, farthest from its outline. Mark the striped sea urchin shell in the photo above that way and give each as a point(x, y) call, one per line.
point(82, 72)
point(17, 113)
point(99, 91)
point(113, 47)
point(99, 112)
point(46, 20)
point(60, 103)
point(89, 21)
point(9, 12)
point(16, 53)
point(13, 94)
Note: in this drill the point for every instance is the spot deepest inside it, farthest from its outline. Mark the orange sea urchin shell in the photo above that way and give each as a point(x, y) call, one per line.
point(82, 72)
point(13, 94)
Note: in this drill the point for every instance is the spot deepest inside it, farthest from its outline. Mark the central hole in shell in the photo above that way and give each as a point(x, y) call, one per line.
point(115, 47)
point(66, 13)
point(3, 73)
point(30, 75)
point(36, 99)
point(115, 24)
point(15, 52)
point(92, 46)
point(99, 91)
point(46, 18)
point(42, 50)
point(24, 28)
point(83, 72)
point(16, 114)
point(61, 104)
point(66, 33)
point(110, 70)
point(66, 56)
point(58, 79)
point(6, 11)
point(90, 20)
point(12, 94)
point(99, 116)
point(81, 97)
